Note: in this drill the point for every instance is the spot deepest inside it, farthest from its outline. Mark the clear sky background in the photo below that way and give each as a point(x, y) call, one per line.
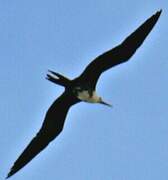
point(126, 142)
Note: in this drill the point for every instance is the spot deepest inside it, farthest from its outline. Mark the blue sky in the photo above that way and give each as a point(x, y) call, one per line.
point(127, 142)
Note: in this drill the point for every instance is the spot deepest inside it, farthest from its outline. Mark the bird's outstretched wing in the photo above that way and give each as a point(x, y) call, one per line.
point(51, 127)
point(120, 53)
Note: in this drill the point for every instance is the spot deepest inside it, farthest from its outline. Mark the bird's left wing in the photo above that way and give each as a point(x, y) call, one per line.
point(51, 127)
point(120, 53)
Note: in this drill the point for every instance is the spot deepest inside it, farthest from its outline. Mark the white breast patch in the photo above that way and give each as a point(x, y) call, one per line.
point(85, 96)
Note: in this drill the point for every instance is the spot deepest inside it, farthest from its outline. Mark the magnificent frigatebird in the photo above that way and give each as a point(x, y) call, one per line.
point(80, 89)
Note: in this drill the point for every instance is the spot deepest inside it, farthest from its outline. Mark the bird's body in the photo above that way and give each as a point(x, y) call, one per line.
point(82, 91)
point(82, 88)
point(88, 96)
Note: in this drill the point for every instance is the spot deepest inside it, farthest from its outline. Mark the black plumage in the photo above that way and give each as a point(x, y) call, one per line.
point(120, 53)
point(56, 114)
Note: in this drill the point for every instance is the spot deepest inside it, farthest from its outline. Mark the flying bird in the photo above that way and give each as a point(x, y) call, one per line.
point(82, 88)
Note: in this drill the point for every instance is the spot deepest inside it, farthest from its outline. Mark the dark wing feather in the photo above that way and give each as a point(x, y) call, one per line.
point(52, 126)
point(120, 53)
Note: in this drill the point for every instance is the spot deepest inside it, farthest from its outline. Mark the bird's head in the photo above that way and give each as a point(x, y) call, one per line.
point(101, 101)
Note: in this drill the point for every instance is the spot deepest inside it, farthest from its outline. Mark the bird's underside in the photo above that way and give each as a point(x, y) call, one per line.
point(56, 114)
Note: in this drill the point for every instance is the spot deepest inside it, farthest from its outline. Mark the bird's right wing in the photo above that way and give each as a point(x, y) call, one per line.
point(52, 126)
point(120, 53)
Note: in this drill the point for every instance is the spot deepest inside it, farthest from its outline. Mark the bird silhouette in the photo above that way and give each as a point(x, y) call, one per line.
point(80, 89)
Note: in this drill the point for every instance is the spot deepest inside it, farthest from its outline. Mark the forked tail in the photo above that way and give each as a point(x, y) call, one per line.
point(58, 78)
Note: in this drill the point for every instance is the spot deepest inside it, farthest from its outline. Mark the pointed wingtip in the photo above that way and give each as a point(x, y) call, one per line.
point(158, 13)
point(11, 172)
point(8, 176)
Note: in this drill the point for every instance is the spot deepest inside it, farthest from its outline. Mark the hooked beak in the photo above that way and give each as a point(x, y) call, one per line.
point(104, 103)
